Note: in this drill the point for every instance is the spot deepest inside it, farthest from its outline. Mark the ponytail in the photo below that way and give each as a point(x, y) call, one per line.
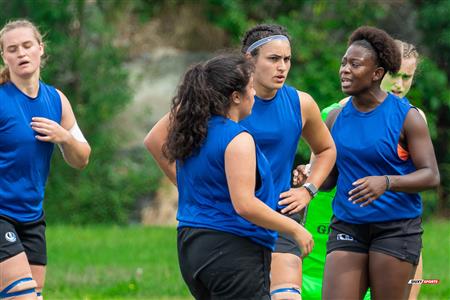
point(189, 115)
point(204, 91)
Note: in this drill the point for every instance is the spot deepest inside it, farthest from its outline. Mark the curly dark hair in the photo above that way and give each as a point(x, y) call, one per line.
point(259, 32)
point(204, 91)
point(382, 45)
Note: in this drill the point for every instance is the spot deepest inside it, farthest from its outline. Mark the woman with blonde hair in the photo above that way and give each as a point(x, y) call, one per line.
point(34, 117)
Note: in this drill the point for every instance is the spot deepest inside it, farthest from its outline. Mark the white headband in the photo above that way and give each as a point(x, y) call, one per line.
point(266, 40)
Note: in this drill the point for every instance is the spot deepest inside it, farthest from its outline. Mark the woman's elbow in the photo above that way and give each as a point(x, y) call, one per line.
point(435, 180)
point(151, 145)
point(83, 164)
point(243, 209)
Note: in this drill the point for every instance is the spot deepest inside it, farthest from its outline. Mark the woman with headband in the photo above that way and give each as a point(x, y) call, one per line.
point(280, 116)
point(375, 239)
point(226, 198)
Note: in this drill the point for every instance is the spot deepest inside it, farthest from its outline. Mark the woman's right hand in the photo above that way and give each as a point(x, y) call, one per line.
point(301, 173)
point(304, 240)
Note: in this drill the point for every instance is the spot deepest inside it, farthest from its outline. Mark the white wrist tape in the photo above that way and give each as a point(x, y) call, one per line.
point(75, 131)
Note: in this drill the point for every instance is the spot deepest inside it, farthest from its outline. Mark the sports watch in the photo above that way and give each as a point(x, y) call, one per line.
point(311, 188)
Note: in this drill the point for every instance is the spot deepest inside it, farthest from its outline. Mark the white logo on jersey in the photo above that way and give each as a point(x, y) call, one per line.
point(10, 236)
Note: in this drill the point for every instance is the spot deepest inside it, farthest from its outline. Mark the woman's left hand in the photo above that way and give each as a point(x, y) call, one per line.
point(49, 130)
point(367, 190)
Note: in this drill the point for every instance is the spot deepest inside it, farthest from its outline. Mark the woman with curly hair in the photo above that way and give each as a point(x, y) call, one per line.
point(320, 211)
point(227, 223)
point(375, 239)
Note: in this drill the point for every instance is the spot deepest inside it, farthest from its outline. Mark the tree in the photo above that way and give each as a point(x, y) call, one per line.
point(88, 68)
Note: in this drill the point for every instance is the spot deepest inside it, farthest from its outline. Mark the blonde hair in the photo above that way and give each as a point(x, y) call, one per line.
point(407, 50)
point(4, 71)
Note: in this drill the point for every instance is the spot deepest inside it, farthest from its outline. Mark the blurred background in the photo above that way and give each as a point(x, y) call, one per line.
point(119, 63)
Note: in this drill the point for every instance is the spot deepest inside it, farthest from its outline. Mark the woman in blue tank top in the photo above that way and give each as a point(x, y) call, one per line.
point(375, 238)
point(227, 222)
point(33, 117)
point(280, 116)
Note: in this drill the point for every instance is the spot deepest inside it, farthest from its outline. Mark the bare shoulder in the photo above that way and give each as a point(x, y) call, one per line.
point(64, 101)
point(67, 117)
point(332, 116)
point(307, 102)
point(414, 119)
point(242, 143)
point(422, 114)
point(305, 98)
point(344, 101)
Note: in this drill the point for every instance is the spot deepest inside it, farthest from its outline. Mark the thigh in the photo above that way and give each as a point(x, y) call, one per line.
point(415, 288)
point(16, 278)
point(345, 275)
point(38, 272)
point(389, 276)
point(286, 268)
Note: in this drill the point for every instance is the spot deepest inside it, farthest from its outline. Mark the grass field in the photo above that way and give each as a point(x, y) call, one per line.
point(141, 263)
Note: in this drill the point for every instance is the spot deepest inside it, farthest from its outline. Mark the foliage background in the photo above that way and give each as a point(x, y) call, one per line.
point(86, 62)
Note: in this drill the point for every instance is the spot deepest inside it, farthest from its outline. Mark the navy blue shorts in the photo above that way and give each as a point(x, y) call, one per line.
point(29, 237)
point(401, 238)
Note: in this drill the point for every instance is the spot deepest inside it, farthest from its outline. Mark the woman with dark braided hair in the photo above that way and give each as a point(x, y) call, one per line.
point(375, 239)
point(227, 223)
point(280, 116)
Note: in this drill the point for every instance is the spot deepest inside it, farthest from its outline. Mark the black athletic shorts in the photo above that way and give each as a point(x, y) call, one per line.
point(16, 237)
point(285, 243)
point(401, 238)
point(222, 266)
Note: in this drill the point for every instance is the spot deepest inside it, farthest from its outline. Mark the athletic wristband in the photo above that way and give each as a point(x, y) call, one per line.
point(388, 182)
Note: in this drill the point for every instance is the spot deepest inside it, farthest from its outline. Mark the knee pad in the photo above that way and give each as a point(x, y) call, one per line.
point(287, 292)
point(19, 287)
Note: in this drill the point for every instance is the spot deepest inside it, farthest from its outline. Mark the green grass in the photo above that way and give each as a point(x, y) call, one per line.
point(436, 260)
point(110, 262)
point(113, 263)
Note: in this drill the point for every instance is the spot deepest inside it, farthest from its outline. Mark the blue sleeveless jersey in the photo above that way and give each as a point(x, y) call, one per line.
point(276, 126)
point(203, 197)
point(24, 160)
point(366, 144)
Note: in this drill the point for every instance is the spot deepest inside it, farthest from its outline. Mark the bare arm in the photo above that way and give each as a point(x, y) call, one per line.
point(154, 142)
point(422, 154)
point(240, 166)
point(318, 137)
point(322, 146)
point(76, 153)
